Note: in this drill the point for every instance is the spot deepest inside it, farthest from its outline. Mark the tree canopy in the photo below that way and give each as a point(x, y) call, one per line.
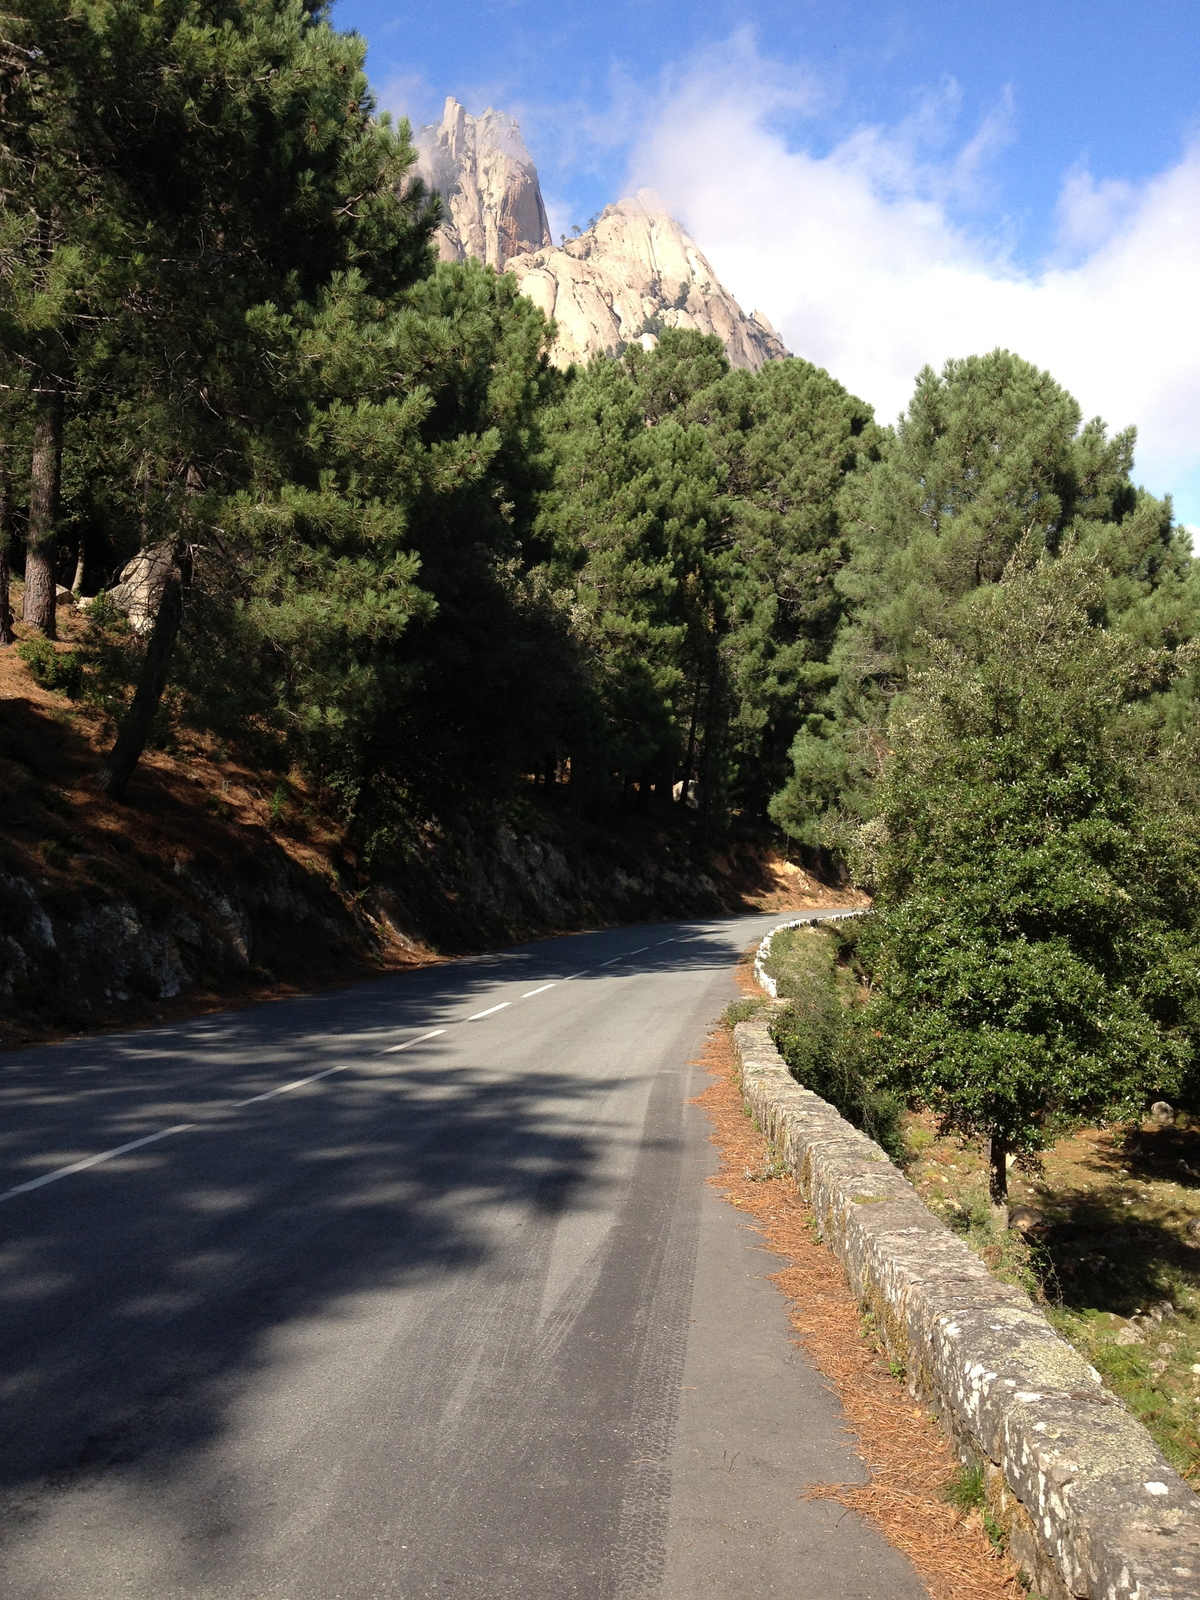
point(1037, 855)
point(398, 548)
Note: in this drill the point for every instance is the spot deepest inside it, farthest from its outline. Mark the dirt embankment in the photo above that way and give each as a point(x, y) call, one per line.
point(216, 883)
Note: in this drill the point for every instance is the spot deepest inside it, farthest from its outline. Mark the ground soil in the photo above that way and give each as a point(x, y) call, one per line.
point(1109, 1242)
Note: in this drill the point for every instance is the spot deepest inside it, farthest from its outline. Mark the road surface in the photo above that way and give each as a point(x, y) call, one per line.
point(409, 1290)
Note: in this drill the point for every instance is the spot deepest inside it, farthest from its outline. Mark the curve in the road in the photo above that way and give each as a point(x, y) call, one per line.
point(413, 1289)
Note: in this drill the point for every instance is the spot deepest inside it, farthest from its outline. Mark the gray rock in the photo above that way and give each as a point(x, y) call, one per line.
point(1025, 1218)
point(140, 586)
point(14, 965)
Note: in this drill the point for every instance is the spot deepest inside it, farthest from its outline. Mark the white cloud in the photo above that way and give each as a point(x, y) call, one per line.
point(411, 95)
point(856, 258)
point(1090, 212)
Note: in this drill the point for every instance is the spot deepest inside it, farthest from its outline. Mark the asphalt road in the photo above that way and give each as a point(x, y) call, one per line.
point(425, 1296)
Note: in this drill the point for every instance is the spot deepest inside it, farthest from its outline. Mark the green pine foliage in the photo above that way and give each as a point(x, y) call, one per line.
point(990, 457)
point(694, 512)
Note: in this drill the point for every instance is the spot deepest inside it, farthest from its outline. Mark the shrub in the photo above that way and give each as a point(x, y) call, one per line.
point(817, 1036)
point(53, 669)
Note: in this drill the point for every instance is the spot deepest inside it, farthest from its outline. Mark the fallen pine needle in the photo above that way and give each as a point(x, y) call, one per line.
point(906, 1455)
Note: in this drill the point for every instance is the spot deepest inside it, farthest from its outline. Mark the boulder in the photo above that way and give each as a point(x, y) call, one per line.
point(1025, 1218)
point(139, 588)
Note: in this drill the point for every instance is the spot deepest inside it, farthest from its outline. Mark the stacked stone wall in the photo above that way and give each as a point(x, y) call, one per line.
point(1091, 1507)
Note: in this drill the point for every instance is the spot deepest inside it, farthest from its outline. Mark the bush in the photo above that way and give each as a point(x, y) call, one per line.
point(53, 669)
point(817, 1035)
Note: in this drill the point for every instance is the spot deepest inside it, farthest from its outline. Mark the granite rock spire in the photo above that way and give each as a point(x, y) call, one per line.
point(633, 273)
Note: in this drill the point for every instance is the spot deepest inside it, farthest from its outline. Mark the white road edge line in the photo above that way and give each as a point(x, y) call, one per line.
point(532, 992)
point(491, 1010)
point(408, 1043)
point(94, 1161)
point(671, 940)
point(639, 950)
point(610, 961)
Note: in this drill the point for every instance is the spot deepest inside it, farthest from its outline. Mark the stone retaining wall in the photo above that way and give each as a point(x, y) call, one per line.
point(1091, 1507)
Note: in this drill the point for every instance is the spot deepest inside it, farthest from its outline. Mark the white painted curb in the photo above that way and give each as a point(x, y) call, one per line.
point(761, 975)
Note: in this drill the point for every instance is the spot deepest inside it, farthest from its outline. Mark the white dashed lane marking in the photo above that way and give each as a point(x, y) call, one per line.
point(94, 1161)
point(300, 1083)
point(408, 1044)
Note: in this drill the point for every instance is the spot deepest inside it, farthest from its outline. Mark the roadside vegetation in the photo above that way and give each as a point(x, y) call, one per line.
point(397, 568)
point(1007, 761)
point(1103, 1231)
point(815, 972)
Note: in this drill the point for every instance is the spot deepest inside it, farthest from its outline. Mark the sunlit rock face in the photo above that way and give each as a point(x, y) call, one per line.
point(632, 274)
point(488, 184)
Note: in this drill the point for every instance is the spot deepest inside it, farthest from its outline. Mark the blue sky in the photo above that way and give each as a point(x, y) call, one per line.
point(891, 183)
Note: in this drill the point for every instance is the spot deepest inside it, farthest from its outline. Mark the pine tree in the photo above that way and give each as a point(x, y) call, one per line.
point(627, 519)
point(399, 637)
point(989, 457)
point(792, 437)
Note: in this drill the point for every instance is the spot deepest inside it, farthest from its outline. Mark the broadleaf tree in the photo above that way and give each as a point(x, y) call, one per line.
point(1035, 947)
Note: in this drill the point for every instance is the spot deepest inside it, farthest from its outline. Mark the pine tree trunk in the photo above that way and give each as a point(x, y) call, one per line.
point(690, 757)
point(80, 564)
point(41, 558)
point(135, 727)
point(7, 636)
point(998, 1179)
point(706, 758)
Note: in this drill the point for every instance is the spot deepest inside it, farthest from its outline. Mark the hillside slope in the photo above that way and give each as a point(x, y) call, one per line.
point(218, 882)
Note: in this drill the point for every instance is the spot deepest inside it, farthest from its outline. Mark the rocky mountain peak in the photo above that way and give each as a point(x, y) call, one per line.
point(633, 273)
point(488, 184)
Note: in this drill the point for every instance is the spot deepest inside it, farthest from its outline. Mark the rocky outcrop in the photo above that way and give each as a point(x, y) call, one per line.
point(86, 940)
point(139, 588)
point(488, 184)
point(632, 274)
point(88, 954)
